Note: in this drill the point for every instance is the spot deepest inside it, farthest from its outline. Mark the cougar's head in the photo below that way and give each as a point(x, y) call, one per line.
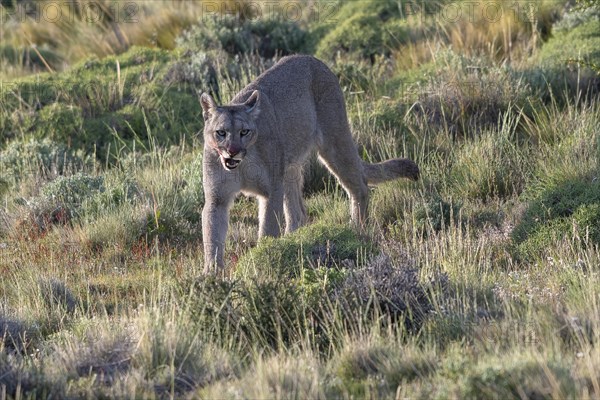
point(230, 130)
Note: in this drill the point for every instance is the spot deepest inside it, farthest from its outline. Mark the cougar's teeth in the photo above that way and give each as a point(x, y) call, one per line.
point(231, 163)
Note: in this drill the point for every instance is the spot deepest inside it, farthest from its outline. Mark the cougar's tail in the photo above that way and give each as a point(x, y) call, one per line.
point(390, 170)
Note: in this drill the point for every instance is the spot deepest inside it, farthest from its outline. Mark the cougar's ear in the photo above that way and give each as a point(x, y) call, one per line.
point(208, 105)
point(253, 104)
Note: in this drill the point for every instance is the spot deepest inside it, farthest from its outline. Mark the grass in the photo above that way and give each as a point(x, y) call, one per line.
point(479, 281)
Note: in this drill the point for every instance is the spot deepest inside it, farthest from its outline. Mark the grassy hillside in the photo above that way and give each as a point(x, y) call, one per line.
point(479, 281)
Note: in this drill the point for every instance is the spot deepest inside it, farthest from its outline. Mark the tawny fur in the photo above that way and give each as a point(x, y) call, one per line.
point(258, 144)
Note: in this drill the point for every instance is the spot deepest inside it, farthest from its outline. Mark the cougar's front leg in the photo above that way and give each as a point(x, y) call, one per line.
point(220, 189)
point(270, 214)
point(215, 221)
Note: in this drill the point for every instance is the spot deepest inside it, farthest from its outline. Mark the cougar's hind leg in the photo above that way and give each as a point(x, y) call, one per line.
point(336, 147)
point(338, 152)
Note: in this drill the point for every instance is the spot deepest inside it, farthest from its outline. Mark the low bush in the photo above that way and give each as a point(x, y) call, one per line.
point(492, 165)
point(36, 158)
point(267, 37)
point(467, 96)
point(436, 214)
point(14, 335)
point(277, 308)
point(382, 366)
point(563, 193)
point(568, 210)
point(33, 60)
point(313, 246)
point(382, 288)
point(83, 197)
point(101, 107)
point(18, 378)
point(290, 377)
point(365, 30)
point(60, 123)
point(565, 72)
point(521, 375)
point(70, 193)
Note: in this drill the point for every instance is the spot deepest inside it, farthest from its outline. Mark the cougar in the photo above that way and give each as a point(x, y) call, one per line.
point(258, 144)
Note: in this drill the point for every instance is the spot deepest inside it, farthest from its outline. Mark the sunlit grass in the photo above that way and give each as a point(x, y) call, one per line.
point(478, 281)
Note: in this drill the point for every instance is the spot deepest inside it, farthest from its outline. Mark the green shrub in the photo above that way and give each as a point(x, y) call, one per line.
point(278, 309)
point(436, 214)
point(577, 17)
point(61, 123)
point(272, 311)
point(79, 198)
point(518, 376)
point(563, 192)
point(71, 192)
point(359, 34)
point(566, 70)
point(34, 158)
point(118, 190)
point(394, 207)
point(176, 197)
point(570, 210)
point(287, 286)
point(391, 203)
point(175, 357)
point(287, 281)
point(119, 228)
point(380, 287)
point(264, 36)
point(275, 312)
point(311, 246)
point(563, 200)
point(192, 175)
point(14, 335)
point(197, 68)
point(468, 95)
point(162, 114)
point(365, 29)
point(353, 76)
point(385, 365)
point(282, 376)
point(492, 165)
point(104, 106)
point(386, 126)
point(388, 115)
point(581, 226)
point(27, 57)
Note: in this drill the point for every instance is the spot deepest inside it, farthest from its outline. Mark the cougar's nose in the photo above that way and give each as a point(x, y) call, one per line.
point(233, 151)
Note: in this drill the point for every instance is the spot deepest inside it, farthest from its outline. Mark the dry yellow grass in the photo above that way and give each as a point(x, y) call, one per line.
point(499, 31)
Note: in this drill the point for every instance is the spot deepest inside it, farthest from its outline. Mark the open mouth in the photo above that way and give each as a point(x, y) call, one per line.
point(231, 163)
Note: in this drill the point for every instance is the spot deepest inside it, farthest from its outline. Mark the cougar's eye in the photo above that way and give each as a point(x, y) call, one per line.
point(244, 132)
point(221, 133)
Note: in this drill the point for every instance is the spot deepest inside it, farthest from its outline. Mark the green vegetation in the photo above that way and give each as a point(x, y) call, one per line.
point(479, 281)
point(267, 37)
